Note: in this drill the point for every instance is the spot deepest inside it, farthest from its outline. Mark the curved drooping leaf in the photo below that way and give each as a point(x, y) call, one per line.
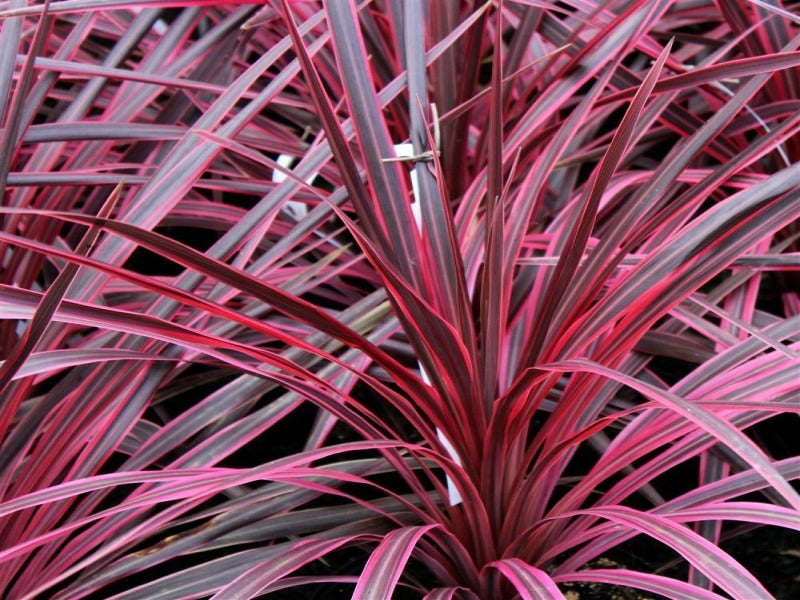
point(725, 433)
point(529, 582)
point(709, 559)
point(658, 584)
point(250, 583)
point(387, 563)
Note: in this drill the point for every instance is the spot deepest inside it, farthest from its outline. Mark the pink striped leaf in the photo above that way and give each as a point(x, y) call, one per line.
point(387, 562)
point(530, 582)
point(254, 580)
point(657, 584)
point(716, 426)
point(706, 557)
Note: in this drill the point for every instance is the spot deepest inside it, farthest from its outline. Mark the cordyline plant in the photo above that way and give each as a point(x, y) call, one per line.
point(410, 299)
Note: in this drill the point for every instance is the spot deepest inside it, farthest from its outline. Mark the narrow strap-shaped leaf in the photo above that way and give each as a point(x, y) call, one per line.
point(709, 559)
point(743, 67)
point(440, 237)
point(575, 245)
point(492, 303)
point(198, 580)
point(777, 10)
point(299, 309)
point(440, 350)
point(387, 562)
point(390, 203)
point(517, 396)
point(67, 6)
point(599, 58)
point(11, 123)
point(336, 138)
point(725, 433)
point(719, 491)
point(530, 582)
point(752, 512)
point(56, 66)
point(53, 360)
point(98, 482)
point(59, 132)
point(45, 311)
point(658, 584)
point(684, 263)
point(250, 583)
point(598, 267)
point(10, 35)
point(207, 483)
point(455, 83)
point(179, 295)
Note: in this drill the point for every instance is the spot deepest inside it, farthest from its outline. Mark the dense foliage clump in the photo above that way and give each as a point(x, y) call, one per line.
point(442, 300)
